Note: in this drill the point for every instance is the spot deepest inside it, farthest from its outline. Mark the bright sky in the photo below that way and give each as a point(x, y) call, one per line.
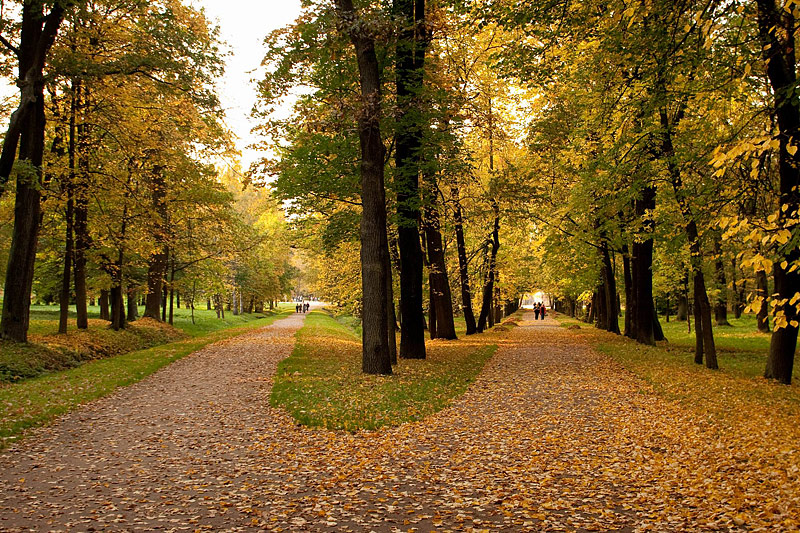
point(243, 26)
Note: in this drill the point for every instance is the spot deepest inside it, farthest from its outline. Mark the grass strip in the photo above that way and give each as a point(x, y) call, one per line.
point(734, 391)
point(321, 384)
point(37, 401)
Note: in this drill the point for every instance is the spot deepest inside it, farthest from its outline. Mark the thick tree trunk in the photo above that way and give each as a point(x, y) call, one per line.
point(375, 357)
point(411, 46)
point(777, 34)
point(26, 130)
point(642, 323)
point(463, 267)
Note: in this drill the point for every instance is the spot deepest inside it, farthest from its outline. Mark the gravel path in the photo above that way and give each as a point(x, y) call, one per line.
point(552, 436)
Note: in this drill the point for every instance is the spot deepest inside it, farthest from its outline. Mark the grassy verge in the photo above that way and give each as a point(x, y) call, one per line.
point(734, 392)
point(321, 383)
point(34, 402)
point(49, 351)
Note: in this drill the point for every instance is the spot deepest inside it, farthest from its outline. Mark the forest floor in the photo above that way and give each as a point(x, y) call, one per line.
point(552, 436)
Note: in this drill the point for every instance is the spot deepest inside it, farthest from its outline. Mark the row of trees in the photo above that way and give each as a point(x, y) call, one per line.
point(106, 166)
point(418, 109)
point(539, 146)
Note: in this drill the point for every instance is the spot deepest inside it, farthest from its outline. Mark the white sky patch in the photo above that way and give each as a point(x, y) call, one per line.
point(243, 25)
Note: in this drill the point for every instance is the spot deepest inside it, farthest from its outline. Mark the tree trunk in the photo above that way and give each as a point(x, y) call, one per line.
point(164, 302)
point(683, 303)
point(171, 289)
point(441, 297)
point(630, 304)
point(776, 31)
point(762, 291)
point(609, 294)
point(66, 278)
point(391, 319)
point(105, 314)
point(486, 315)
point(157, 266)
point(463, 266)
point(411, 46)
point(721, 302)
point(26, 130)
point(81, 193)
point(375, 358)
point(133, 310)
point(69, 180)
point(642, 274)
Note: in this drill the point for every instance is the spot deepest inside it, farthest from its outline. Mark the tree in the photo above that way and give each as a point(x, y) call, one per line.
point(374, 244)
point(26, 130)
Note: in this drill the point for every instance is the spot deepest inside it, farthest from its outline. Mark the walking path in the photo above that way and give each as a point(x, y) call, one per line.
point(552, 436)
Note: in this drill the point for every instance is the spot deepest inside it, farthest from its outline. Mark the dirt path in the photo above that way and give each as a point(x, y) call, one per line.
point(552, 436)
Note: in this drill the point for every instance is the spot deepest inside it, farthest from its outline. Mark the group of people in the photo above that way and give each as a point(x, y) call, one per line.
point(302, 307)
point(539, 309)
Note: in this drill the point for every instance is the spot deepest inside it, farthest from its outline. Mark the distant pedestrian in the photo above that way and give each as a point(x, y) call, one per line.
point(542, 310)
point(297, 308)
point(306, 306)
point(536, 311)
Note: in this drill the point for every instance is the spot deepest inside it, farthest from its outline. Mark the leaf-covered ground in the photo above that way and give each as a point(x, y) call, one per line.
point(321, 383)
point(551, 436)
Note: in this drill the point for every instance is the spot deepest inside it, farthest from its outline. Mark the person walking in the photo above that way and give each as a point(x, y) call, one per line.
point(536, 311)
point(542, 310)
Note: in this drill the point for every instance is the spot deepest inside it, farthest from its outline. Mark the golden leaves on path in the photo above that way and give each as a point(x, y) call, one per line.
point(551, 437)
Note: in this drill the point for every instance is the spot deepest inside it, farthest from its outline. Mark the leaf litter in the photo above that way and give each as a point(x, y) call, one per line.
point(551, 437)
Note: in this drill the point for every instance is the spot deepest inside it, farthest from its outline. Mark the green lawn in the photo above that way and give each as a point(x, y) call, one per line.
point(741, 348)
point(36, 401)
point(321, 383)
point(47, 351)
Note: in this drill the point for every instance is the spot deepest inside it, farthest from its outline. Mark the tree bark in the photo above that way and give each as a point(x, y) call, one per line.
point(81, 193)
point(157, 266)
point(463, 266)
point(642, 270)
point(26, 131)
point(133, 309)
point(762, 291)
point(105, 314)
point(487, 316)
point(375, 358)
point(609, 293)
point(721, 302)
point(412, 44)
point(776, 31)
point(441, 297)
point(630, 304)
